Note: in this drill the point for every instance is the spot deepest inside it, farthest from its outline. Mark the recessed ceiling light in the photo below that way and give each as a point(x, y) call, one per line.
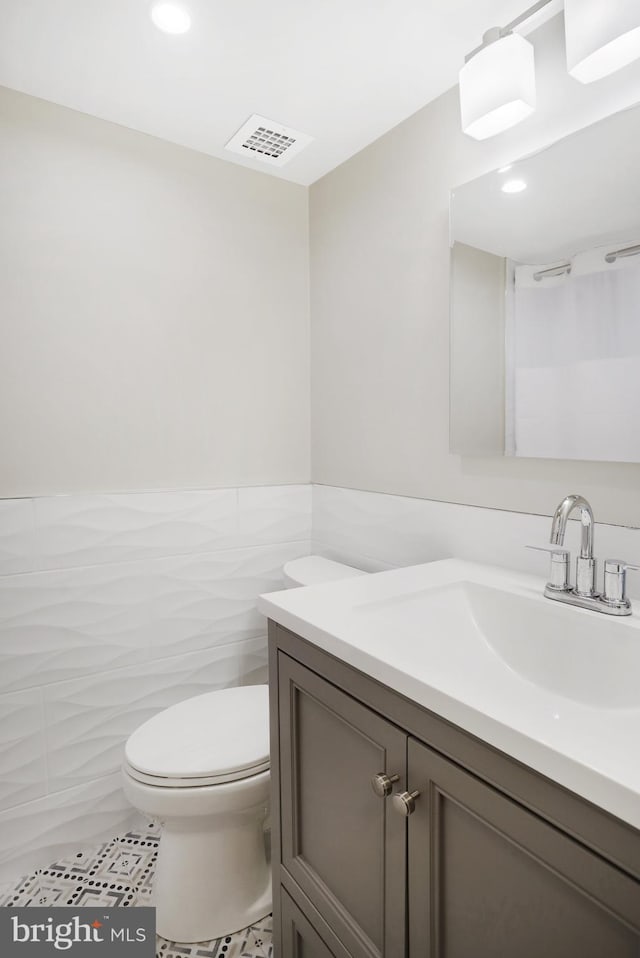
point(170, 17)
point(514, 186)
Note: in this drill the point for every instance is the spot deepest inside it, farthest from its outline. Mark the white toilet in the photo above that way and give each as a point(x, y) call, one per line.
point(313, 570)
point(202, 768)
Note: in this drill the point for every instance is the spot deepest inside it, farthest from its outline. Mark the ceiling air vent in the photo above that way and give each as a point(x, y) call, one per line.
point(267, 141)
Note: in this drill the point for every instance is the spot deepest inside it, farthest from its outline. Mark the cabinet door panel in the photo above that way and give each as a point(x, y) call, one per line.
point(488, 878)
point(342, 844)
point(300, 939)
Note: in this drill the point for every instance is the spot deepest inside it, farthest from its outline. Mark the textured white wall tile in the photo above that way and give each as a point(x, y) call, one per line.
point(57, 625)
point(348, 524)
point(370, 524)
point(253, 661)
point(63, 624)
point(404, 531)
point(271, 514)
point(89, 720)
point(137, 602)
point(16, 536)
point(211, 599)
point(355, 559)
point(85, 530)
point(23, 773)
point(34, 834)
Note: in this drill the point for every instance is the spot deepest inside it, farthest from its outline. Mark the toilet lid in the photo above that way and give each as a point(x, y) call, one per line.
point(218, 736)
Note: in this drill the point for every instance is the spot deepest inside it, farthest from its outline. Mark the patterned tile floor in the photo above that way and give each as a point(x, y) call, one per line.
point(120, 872)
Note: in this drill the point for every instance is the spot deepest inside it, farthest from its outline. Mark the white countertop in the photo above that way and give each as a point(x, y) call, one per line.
point(558, 689)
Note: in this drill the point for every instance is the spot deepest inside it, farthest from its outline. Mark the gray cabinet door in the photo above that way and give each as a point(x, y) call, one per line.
point(300, 939)
point(344, 847)
point(488, 879)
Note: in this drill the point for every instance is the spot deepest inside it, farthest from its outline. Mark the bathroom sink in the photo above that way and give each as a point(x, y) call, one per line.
point(583, 657)
point(554, 686)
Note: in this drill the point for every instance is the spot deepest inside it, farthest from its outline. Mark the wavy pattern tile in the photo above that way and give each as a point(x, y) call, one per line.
point(87, 530)
point(34, 834)
point(392, 529)
point(209, 599)
point(253, 661)
point(372, 528)
point(23, 771)
point(60, 625)
point(349, 555)
point(403, 531)
point(271, 514)
point(136, 602)
point(57, 625)
point(17, 532)
point(88, 720)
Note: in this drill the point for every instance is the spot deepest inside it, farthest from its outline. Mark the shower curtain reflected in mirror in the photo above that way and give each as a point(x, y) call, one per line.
point(573, 359)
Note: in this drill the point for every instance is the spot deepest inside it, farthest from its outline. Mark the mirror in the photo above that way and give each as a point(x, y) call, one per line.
point(545, 301)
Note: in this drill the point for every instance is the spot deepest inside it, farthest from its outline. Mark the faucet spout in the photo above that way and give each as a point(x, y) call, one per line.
point(559, 524)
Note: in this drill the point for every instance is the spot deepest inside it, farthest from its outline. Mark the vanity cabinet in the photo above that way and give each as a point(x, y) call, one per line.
point(340, 844)
point(494, 860)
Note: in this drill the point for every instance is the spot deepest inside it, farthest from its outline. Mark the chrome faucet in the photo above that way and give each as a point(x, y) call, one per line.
point(613, 600)
point(585, 563)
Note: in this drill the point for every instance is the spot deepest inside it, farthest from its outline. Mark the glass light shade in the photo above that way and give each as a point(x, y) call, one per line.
point(602, 36)
point(498, 87)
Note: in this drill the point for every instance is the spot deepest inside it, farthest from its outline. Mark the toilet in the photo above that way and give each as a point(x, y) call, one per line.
point(314, 570)
point(201, 767)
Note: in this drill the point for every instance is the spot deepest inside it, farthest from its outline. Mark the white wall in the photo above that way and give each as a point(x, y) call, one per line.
point(154, 312)
point(380, 307)
point(154, 323)
point(477, 344)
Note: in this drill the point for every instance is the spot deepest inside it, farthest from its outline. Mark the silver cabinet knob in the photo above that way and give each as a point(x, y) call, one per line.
point(405, 803)
point(382, 784)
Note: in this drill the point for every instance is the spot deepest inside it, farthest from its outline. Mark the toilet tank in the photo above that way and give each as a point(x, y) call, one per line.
point(313, 570)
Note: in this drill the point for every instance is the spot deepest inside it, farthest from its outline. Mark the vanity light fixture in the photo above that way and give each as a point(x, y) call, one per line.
point(170, 18)
point(497, 81)
point(497, 84)
point(602, 36)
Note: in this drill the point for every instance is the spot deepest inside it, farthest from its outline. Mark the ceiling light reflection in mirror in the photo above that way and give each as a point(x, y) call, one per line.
point(171, 18)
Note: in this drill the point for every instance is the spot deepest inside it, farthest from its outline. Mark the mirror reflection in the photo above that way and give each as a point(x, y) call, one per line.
point(545, 301)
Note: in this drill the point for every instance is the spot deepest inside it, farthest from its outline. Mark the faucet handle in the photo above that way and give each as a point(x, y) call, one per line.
point(615, 582)
point(559, 574)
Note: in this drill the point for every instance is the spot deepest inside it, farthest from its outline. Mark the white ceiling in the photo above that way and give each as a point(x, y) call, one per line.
point(582, 192)
point(343, 71)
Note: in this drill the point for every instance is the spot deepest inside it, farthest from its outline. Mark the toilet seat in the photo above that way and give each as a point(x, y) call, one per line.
point(218, 737)
point(166, 781)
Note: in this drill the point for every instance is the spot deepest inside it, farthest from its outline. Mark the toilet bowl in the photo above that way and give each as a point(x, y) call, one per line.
point(202, 768)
